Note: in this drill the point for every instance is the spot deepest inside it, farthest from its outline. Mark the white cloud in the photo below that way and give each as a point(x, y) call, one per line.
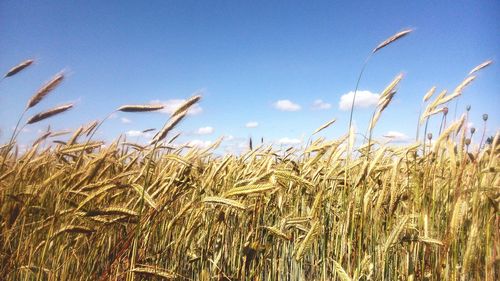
point(205, 130)
point(229, 138)
point(321, 105)
point(125, 120)
point(171, 105)
point(134, 133)
point(252, 124)
point(397, 136)
point(243, 144)
point(199, 143)
point(289, 141)
point(286, 105)
point(363, 99)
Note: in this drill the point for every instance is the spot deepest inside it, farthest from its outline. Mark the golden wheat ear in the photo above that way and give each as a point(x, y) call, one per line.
point(140, 108)
point(324, 126)
point(148, 130)
point(49, 113)
point(45, 90)
point(392, 39)
point(429, 94)
point(187, 104)
point(18, 68)
point(481, 66)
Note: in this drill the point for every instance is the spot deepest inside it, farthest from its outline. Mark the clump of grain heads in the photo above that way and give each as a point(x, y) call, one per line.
point(172, 122)
point(176, 117)
point(384, 100)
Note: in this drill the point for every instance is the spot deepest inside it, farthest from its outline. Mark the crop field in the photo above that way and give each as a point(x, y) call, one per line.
point(73, 207)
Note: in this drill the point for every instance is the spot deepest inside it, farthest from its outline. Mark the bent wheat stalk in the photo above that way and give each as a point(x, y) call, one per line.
point(385, 43)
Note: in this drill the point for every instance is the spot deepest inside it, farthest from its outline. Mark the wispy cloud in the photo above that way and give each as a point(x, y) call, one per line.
point(23, 130)
point(321, 105)
point(289, 141)
point(286, 105)
point(205, 130)
point(252, 124)
point(363, 99)
point(171, 105)
point(125, 120)
point(243, 144)
point(395, 136)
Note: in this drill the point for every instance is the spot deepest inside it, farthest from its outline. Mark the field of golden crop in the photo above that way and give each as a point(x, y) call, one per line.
point(334, 210)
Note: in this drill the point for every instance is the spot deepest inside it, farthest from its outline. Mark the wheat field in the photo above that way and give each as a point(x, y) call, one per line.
point(337, 209)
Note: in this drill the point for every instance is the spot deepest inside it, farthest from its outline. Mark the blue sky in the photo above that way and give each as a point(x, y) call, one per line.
point(245, 57)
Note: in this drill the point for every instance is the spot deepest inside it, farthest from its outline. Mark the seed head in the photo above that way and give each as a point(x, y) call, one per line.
point(445, 111)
